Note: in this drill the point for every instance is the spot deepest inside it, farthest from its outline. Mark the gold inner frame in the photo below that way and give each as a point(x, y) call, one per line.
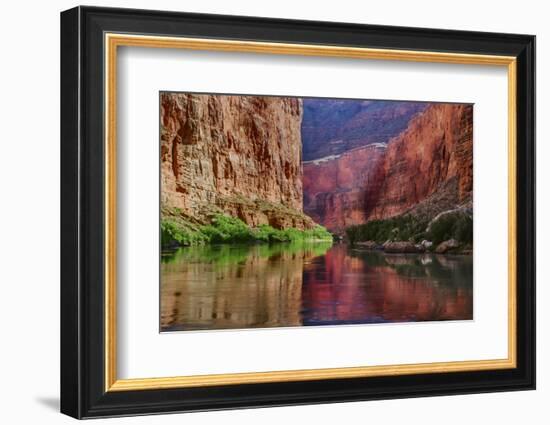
point(113, 41)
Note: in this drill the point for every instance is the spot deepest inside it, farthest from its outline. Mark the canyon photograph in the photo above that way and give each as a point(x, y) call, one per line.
point(301, 211)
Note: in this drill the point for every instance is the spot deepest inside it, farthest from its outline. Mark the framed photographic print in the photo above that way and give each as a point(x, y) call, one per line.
point(261, 212)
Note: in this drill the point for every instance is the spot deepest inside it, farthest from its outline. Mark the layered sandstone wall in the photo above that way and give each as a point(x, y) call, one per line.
point(429, 164)
point(238, 154)
point(436, 148)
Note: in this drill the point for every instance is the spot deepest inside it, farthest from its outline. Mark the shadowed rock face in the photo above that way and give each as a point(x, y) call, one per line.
point(428, 164)
point(332, 127)
point(337, 189)
point(240, 154)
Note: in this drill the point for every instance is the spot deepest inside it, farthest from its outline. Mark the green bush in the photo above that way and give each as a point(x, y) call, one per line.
point(409, 228)
point(226, 229)
point(457, 226)
point(176, 234)
point(266, 233)
point(318, 232)
point(442, 229)
point(400, 228)
point(463, 229)
point(169, 233)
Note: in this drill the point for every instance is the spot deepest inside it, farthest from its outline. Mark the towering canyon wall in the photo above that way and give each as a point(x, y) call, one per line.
point(435, 152)
point(430, 164)
point(236, 154)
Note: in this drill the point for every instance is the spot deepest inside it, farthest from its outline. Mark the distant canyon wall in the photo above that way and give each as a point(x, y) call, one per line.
point(336, 188)
point(334, 126)
point(431, 159)
point(238, 154)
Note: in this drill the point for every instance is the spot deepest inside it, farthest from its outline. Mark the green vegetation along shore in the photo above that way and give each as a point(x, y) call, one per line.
point(225, 229)
point(452, 225)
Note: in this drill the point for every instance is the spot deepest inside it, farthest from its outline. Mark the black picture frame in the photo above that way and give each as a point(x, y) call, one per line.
point(83, 392)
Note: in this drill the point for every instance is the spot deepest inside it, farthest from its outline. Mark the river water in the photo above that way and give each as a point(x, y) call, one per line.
point(308, 284)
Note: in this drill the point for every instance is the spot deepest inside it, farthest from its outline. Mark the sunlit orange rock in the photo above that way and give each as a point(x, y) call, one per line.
point(241, 154)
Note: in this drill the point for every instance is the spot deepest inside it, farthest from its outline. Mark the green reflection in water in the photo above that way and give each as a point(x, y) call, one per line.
point(455, 268)
point(227, 254)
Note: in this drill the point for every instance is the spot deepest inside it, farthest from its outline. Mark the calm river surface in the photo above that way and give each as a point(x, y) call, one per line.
point(307, 284)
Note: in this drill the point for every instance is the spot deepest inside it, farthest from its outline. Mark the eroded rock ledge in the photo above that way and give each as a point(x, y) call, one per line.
point(237, 154)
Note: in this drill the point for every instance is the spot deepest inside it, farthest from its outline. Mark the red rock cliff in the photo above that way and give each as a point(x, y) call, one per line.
point(337, 188)
point(238, 154)
point(436, 149)
point(432, 160)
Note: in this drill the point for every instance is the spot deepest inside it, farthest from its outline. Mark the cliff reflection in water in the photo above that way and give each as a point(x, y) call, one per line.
point(304, 284)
